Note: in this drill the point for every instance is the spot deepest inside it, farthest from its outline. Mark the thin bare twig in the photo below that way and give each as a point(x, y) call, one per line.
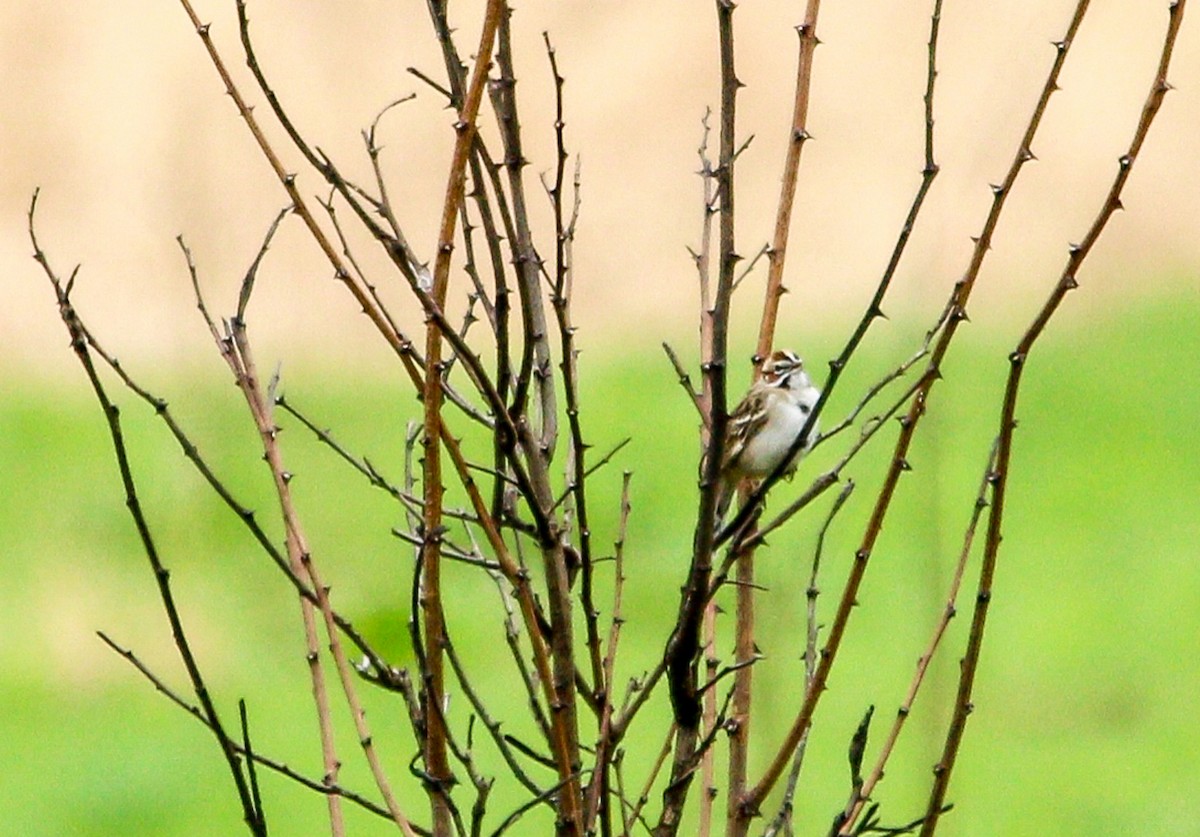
point(229, 352)
point(908, 425)
point(784, 817)
point(111, 412)
point(791, 167)
point(282, 769)
point(863, 792)
point(1067, 281)
point(596, 805)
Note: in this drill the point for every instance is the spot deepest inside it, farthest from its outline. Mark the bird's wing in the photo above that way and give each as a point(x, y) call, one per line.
point(745, 421)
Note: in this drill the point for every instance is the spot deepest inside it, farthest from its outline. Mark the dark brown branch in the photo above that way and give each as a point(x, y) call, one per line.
point(683, 647)
point(247, 750)
point(282, 769)
point(685, 381)
point(111, 412)
point(535, 361)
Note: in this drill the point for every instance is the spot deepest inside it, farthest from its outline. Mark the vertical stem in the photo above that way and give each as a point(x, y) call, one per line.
point(791, 168)
point(437, 764)
point(998, 478)
point(707, 769)
point(737, 819)
point(738, 816)
point(684, 645)
point(704, 404)
point(535, 362)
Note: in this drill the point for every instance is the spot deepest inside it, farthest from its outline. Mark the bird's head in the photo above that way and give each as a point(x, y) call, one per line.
point(784, 368)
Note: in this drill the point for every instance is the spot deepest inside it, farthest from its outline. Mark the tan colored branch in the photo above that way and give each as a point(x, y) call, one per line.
point(908, 424)
point(791, 168)
point(998, 478)
point(437, 764)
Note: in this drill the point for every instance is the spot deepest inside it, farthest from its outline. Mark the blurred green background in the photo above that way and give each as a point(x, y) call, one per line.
point(1084, 723)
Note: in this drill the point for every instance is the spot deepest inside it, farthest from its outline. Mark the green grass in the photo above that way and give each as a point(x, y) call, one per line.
point(1084, 721)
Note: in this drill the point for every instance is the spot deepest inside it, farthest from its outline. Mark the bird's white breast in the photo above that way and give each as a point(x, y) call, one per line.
point(785, 420)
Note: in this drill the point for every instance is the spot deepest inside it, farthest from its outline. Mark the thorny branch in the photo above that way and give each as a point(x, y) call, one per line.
point(322, 786)
point(998, 477)
point(234, 347)
point(683, 647)
point(908, 424)
point(79, 344)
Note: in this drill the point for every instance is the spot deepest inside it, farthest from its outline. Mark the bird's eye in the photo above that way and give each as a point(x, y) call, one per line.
point(804, 408)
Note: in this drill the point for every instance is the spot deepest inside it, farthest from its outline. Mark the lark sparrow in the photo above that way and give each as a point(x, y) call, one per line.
point(766, 423)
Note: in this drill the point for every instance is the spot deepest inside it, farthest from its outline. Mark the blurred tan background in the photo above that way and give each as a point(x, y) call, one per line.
point(114, 111)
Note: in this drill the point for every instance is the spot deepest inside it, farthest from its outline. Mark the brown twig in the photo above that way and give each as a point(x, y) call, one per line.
point(162, 575)
point(737, 824)
point(712, 663)
point(683, 646)
point(791, 167)
point(598, 790)
point(436, 763)
point(229, 352)
point(1067, 281)
point(783, 819)
point(685, 381)
point(652, 776)
point(271, 764)
point(899, 463)
point(250, 384)
point(863, 792)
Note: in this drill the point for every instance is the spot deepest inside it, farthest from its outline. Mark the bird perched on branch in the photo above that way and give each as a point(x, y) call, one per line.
point(765, 425)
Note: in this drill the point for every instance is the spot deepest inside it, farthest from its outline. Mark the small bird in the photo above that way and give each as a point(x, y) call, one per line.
point(766, 424)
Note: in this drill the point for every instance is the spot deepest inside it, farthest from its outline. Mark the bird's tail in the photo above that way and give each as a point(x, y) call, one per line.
point(725, 494)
